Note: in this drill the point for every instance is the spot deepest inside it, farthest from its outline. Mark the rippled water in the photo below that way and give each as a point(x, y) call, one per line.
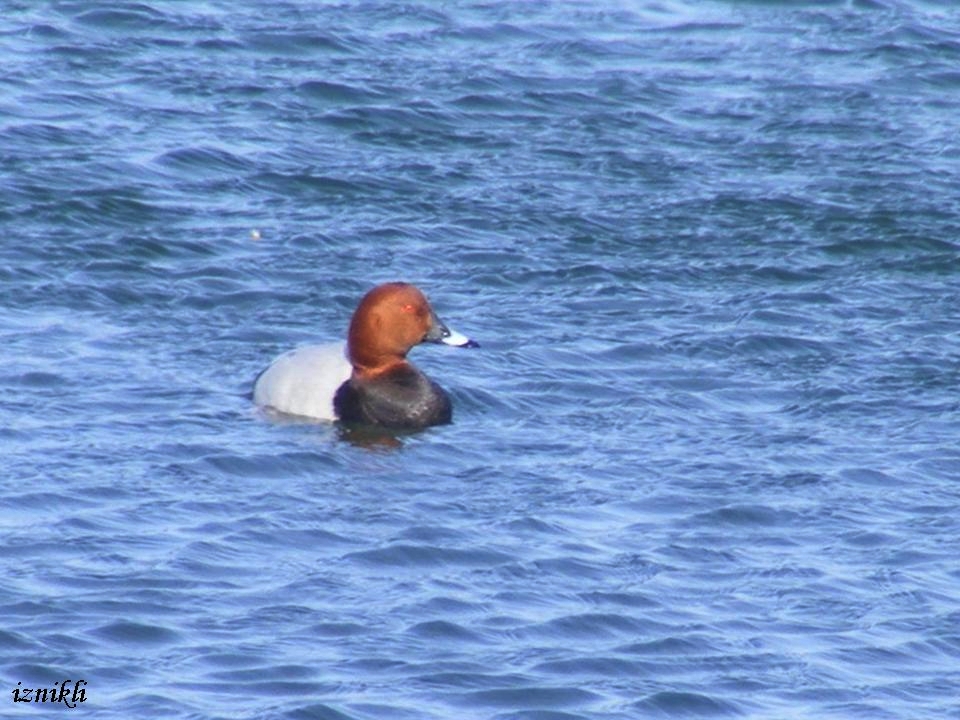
point(704, 465)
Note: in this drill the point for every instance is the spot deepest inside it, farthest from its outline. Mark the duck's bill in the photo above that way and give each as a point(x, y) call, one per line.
point(440, 333)
point(452, 337)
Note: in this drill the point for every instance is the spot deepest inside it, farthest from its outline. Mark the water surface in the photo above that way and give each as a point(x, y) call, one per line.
point(704, 465)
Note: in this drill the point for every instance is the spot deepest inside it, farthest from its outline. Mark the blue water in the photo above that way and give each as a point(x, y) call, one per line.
point(704, 465)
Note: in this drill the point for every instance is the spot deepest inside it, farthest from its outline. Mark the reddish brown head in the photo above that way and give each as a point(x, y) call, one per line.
point(390, 320)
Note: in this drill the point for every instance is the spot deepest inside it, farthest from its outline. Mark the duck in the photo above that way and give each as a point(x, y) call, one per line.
point(367, 381)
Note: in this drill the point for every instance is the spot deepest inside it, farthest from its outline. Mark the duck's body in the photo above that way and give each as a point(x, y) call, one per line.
point(372, 383)
point(304, 381)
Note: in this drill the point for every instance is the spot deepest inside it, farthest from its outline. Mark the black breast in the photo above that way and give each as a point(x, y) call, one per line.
point(403, 398)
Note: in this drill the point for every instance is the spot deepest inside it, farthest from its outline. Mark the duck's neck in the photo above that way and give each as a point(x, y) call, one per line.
point(383, 366)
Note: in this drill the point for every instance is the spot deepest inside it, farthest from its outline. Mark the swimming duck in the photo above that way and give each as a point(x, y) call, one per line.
point(369, 381)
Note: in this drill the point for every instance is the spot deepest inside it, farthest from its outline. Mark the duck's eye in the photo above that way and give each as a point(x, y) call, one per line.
point(408, 308)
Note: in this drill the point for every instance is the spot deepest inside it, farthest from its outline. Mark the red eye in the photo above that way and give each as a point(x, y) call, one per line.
point(408, 308)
